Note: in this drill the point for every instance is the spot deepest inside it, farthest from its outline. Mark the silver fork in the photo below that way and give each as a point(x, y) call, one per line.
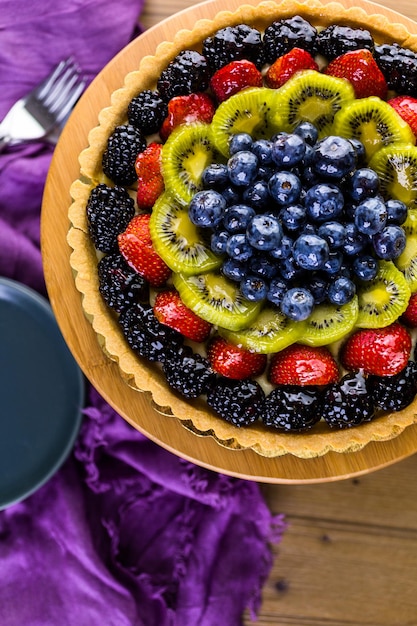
point(45, 107)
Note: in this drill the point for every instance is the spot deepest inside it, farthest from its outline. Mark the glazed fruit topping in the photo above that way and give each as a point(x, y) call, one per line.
point(361, 70)
point(303, 365)
point(234, 77)
point(169, 309)
point(287, 65)
point(233, 361)
point(149, 174)
point(195, 107)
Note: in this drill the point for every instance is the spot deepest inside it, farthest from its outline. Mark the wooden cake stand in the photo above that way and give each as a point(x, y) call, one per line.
point(80, 337)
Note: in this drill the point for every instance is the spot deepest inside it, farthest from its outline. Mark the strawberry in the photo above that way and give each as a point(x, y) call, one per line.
point(149, 173)
point(378, 351)
point(285, 66)
point(409, 317)
point(135, 244)
point(359, 68)
point(303, 365)
point(234, 77)
point(170, 310)
point(234, 362)
point(406, 107)
point(196, 107)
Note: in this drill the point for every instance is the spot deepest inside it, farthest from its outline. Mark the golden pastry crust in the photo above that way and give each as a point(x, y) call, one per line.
point(148, 377)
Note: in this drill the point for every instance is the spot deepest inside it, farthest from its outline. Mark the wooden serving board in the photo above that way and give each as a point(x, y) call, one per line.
point(135, 407)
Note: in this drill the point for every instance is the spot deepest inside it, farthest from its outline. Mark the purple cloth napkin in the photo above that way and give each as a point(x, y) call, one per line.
point(125, 533)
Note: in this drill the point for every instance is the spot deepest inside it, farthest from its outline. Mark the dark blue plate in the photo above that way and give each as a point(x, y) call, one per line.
point(41, 393)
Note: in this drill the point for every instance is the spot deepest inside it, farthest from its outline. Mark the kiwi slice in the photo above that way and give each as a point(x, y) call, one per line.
point(252, 110)
point(216, 299)
point(407, 262)
point(313, 97)
point(383, 299)
point(186, 153)
point(374, 122)
point(330, 322)
point(177, 240)
point(396, 166)
point(271, 332)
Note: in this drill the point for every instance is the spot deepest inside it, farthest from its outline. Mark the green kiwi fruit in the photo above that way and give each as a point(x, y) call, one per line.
point(383, 299)
point(374, 122)
point(407, 261)
point(314, 97)
point(216, 299)
point(177, 240)
point(330, 322)
point(186, 153)
point(396, 166)
point(252, 110)
point(271, 332)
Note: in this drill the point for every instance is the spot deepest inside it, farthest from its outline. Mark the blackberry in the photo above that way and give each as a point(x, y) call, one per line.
point(394, 393)
point(237, 401)
point(283, 35)
point(119, 285)
point(336, 40)
point(123, 146)
point(348, 402)
point(188, 373)
point(233, 43)
point(145, 334)
point(399, 66)
point(147, 111)
point(187, 73)
point(109, 210)
point(292, 408)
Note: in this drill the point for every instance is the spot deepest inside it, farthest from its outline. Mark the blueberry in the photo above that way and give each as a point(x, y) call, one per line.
point(341, 291)
point(365, 267)
point(334, 263)
point(293, 217)
point(297, 303)
point(237, 217)
point(235, 270)
point(261, 265)
point(239, 142)
point(257, 194)
point(334, 157)
point(231, 195)
point(371, 216)
point(218, 241)
point(263, 150)
point(308, 132)
point(285, 188)
point(284, 249)
point(364, 184)
point(355, 242)
point(317, 286)
point(238, 247)
point(242, 168)
point(206, 208)
point(289, 270)
point(264, 232)
point(390, 242)
point(324, 202)
point(288, 150)
point(396, 212)
point(277, 288)
point(265, 172)
point(215, 176)
point(334, 233)
point(253, 288)
point(359, 150)
point(310, 252)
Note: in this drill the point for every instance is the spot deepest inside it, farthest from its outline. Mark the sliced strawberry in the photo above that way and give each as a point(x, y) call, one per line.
point(135, 244)
point(170, 310)
point(287, 65)
point(196, 107)
point(406, 107)
point(234, 362)
point(234, 77)
point(409, 317)
point(149, 173)
point(303, 365)
point(361, 70)
point(378, 351)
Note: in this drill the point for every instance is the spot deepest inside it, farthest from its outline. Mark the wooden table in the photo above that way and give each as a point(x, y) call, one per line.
point(349, 556)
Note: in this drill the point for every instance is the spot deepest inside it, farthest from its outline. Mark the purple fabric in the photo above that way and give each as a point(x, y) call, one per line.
point(125, 533)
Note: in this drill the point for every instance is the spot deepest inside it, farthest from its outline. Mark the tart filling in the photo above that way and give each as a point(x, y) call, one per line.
point(246, 243)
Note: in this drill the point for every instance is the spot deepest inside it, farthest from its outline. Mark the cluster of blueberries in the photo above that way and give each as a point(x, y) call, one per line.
point(299, 220)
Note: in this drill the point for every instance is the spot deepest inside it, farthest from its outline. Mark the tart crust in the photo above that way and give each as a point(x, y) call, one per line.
point(147, 377)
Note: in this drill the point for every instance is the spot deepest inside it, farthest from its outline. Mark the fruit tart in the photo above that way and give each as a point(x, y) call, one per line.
point(244, 228)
